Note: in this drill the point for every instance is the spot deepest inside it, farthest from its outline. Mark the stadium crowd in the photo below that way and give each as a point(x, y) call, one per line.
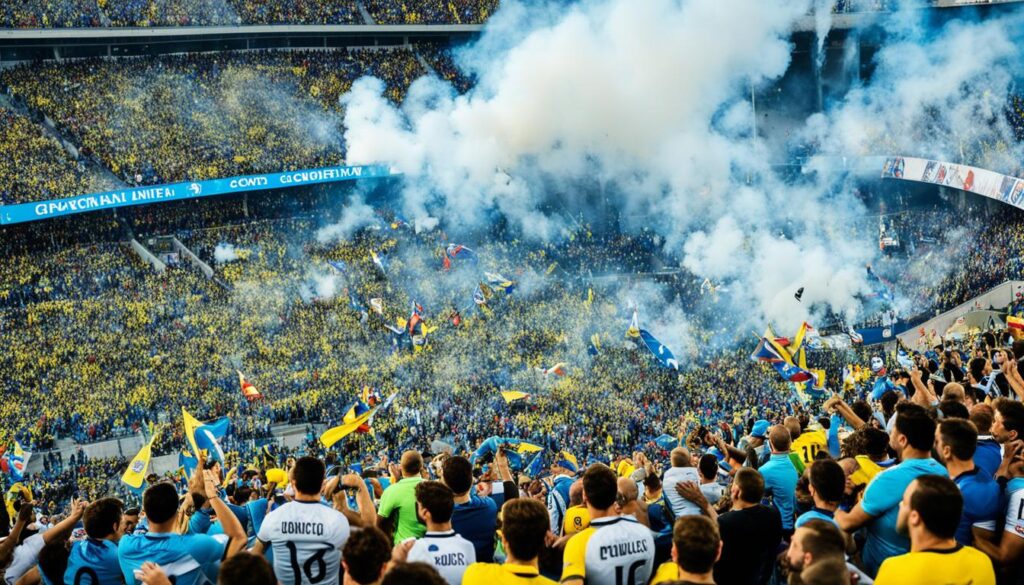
point(99, 345)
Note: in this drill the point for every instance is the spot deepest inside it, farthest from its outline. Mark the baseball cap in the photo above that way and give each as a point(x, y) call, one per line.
point(760, 430)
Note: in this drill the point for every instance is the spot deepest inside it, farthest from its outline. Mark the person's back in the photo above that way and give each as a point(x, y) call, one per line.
point(780, 477)
point(956, 442)
point(441, 547)
point(474, 518)
point(751, 533)
point(305, 535)
point(682, 470)
point(245, 569)
point(930, 513)
point(94, 560)
point(525, 522)
point(613, 549)
point(398, 502)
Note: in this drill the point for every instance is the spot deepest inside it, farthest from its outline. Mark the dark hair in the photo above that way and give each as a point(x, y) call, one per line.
point(457, 473)
point(366, 552)
point(862, 409)
point(241, 495)
point(780, 437)
point(600, 486)
point(828, 479)
point(888, 401)
point(708, 466)
point(411, 462)
point(875, 441)
point(696, 540)
point(823, 539)
point(652, 481)
point(981, 416)
point(977, 368)
point(938, 502)
point(960, 436)
point(1012, 413)
point(524, 524)
point(954, 409)
point(413, 574)
point(160, 501)
point(308, 475)
point(750, 482)
point(102, 517)
point(53, 560)
point(246, 569)
point(827, 572)
point(131, 512)
point(913, 422)
point(437, 498)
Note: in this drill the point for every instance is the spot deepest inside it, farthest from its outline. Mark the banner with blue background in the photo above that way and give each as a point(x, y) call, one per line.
point(23, 212)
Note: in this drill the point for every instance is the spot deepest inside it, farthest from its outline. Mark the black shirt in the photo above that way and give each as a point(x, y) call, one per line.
point(750, 543)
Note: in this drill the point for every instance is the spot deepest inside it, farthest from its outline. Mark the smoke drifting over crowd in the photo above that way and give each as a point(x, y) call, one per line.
point(651, 101)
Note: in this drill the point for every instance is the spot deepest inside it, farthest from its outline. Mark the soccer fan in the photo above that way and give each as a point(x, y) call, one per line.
point(613, 549)
point(440, 547)
point(751, 533)
point(94, 560)
point(525, 522)
point(1008, 422)
point(709, 486)
point(416, 573)
point(474, 518)
point(912, 437)
point(365, 557)
point(305, 535)
point(563, 472)
point(955, 443)
point(242, 569)
point(31, 543)
point(1007, 549)
point(397, 507)
point(988, 453)
point(129, 520)
point(628, 501)
point(780, 476)
point(682, 470)
point(163, 545)
point(828, 482)
point(929, 513)
point(576, 518)
point(696, 546)
point(806, 442)
point(813, 541)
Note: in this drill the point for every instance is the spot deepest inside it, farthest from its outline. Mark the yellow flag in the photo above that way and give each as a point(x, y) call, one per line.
point(191, 424)
point(332, 436)
point(136, 472)
point(511, 396)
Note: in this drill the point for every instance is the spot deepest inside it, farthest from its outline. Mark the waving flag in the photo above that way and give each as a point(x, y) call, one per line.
point(339, 266)
point(511, 396)
point(377, 305)
point(187, 463)
point(482, 293)
point(499, 282)
point(248, 390)
point(788, 357)
point(454, 251)
point(535, 468)
point(514, 449)
point(371, 396)
point(204, 436)
point(416, 318)
point(135, 475)
point(595, 344)
point(379, 261)
point(333, 435)
point(18, 461)
point(354, 413)
point(634, 325)
point(667, 442)
point(556, 370)
point(663, 354)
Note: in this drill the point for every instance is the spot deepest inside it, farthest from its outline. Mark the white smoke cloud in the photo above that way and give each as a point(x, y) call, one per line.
point(648, 100)
point(225, 253)
point(320, 286)
point(355, 215)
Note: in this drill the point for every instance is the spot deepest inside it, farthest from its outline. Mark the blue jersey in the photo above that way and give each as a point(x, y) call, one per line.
point(191, 559)
point(476, 521)
point(982, 503)
point(816, 513)
point(93, 562)
point(882, 502)
point(780, 479)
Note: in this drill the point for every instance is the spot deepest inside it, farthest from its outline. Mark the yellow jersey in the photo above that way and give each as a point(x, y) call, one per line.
point(666, 573)
point(808, 444)
point(577, 519)
point(959, 565)
point(625, 468)
point(495, 574)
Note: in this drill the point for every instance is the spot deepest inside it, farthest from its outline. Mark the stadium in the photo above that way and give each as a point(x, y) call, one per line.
point(437, 291)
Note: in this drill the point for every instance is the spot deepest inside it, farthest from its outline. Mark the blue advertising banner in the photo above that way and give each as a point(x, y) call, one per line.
point(23, 212)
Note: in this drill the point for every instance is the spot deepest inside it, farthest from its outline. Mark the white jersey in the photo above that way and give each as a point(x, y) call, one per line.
point(307, 538)
point(24, 558)
point(712, 491)
point(680, 505)
point(1015, 509)
point(448, 552)
point(612, 551)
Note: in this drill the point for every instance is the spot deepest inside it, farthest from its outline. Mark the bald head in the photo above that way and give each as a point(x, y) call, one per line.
point(412, 463)
point(576, 493)
point(953, 391)
point(681, 457)
point(628, 490)
point(780, 438)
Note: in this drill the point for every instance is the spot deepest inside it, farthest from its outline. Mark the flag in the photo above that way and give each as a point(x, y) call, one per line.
point(513, 448)
point(535, 468)
point(379, 261)
point(333, 435)
point(595, 344)
point(248, 390)
point(339, 266)
point(135, 475)
point(371, 396)
point(557, 370)
point(551, 268)
point(904, 360)
point(511, 396)
point(187, 463)
point(354, 412)
point(18, 462)
point(416, 318)
point(666, 442)
point(590, 297)
point(1015, 323)
point(377, 304)
point(202, 436)
point(453, 251)
point(634, 325)
point(663, 354)
point(482, 293)
point(499, 282)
